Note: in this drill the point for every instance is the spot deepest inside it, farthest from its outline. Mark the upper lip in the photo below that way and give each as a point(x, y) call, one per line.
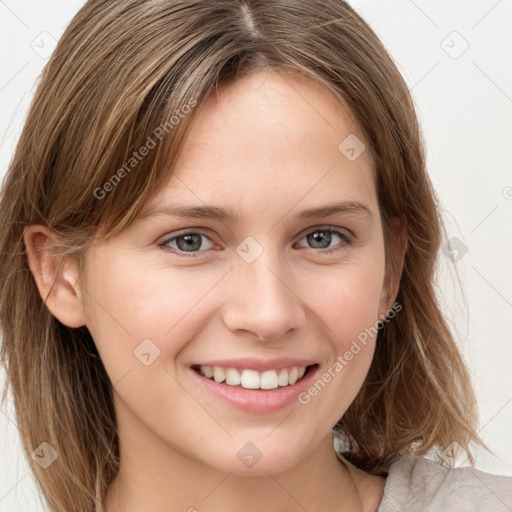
point(258, 364)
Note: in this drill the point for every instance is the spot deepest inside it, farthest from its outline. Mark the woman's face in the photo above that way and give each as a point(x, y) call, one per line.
point(251, 279)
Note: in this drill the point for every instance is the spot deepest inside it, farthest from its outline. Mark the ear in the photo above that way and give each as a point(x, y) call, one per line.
point(55, 277)
point(394, 265)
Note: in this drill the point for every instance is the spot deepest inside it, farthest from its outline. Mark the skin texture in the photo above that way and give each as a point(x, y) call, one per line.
point(266, 147)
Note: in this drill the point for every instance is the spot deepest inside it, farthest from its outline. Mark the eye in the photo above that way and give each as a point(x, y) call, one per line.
point(193, 241)
point(321, 238)
point(190, 241)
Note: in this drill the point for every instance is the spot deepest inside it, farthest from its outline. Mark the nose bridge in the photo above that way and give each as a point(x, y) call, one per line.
point(263, 302)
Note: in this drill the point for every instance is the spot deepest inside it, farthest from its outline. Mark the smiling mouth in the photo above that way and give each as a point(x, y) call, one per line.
point(252, 379)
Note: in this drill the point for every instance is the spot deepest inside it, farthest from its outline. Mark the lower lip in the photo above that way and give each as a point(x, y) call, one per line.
point(257, 401)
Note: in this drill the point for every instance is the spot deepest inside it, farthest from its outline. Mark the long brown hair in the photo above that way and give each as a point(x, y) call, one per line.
point(121, 70)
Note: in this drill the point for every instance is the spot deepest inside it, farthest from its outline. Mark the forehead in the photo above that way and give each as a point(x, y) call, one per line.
point(271, 139)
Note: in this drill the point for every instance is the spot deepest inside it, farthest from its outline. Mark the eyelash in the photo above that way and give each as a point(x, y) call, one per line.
point(346, 240)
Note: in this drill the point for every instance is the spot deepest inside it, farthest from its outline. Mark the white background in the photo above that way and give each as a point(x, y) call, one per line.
point(464, 101)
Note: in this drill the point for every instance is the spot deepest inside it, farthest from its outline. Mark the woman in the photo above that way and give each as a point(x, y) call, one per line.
point(219, 239)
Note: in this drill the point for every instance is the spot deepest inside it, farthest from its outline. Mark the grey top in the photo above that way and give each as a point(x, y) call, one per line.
point(417, 484)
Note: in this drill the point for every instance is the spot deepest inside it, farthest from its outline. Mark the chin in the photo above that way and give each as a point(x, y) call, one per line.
point(258, 458)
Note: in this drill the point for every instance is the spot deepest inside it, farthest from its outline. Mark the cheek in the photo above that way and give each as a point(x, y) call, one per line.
point(128, 304)
point(348, 304)
point(348, 299)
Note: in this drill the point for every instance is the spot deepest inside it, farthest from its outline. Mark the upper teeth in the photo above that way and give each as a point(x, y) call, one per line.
point(252, 379)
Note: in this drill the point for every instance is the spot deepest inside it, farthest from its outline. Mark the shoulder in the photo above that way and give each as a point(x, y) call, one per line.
point(417, 484)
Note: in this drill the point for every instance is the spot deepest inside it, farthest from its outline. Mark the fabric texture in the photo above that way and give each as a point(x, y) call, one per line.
point(417, 484)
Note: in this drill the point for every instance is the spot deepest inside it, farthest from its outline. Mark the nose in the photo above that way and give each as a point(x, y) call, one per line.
point(263, 301)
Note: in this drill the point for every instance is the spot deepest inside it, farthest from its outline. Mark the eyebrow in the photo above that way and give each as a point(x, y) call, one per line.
point(224, 215)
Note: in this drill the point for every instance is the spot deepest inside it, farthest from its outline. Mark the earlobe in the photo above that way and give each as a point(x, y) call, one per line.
point(56, 277)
